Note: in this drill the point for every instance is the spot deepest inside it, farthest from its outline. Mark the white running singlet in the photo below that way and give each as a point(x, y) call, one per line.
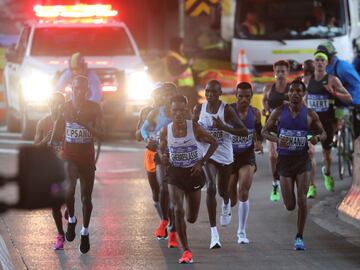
point(224, 152)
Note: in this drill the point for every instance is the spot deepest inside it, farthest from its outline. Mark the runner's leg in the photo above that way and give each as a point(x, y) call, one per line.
point(164, 193)
point(87, 178)
point(233, 188)
point(155, 189)
point(57, 215)
point(177, 199)
point(287, 192)
point(302, 184)
point(210, 173)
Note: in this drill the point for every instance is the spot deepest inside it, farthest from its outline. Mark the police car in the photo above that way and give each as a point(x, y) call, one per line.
point(42, 52)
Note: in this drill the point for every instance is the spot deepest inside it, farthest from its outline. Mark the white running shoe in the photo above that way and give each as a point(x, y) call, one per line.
point(215, 242)
point(242, 238)
point(225, 216)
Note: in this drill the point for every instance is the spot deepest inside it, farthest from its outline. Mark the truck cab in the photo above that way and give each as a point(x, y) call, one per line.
point(41, 56)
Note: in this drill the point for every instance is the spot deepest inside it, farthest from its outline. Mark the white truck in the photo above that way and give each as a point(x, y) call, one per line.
point(293, 29)
point(41, 55)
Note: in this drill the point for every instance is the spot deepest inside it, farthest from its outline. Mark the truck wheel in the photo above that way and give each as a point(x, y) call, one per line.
point(27, 128)
point(13, 124)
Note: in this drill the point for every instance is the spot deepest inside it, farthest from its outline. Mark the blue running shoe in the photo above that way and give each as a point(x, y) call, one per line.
point(299, 244)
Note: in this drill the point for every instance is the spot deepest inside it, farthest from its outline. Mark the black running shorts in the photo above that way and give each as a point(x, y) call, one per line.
point(182, 178)
point(291, 166)
point(242, 159)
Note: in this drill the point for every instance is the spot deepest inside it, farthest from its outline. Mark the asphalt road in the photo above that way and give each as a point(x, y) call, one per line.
point(123, 221)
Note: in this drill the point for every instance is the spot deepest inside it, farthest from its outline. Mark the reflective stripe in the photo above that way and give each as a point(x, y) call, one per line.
point(186, 78)
point(293, 51)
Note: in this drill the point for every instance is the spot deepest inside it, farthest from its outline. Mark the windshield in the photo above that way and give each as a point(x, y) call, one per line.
point(99, 41)
point(289, 19)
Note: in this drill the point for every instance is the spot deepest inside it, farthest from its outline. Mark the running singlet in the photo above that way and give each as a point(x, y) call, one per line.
point(277, 99)
point(79, 142)
point(224, 152)
point(184, 150)
point(295, 129)
point(244, 143)
point(319, 98)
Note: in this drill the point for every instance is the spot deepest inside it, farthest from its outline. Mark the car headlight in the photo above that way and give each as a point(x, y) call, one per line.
point(36, 86)
point(139, 86)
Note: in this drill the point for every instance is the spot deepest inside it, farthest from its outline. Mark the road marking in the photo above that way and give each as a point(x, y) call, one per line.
point(5, 259)
point(122, 170)
point(7, 151)
point(10, 141)
point(108, 148)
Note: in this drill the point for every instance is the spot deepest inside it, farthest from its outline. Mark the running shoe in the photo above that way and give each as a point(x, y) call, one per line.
point(242, 238)
point(311, 194)
point(275, 194)
point(328, 181)
point(186, 257)
point(70, 233)
point(215, 242)
point(172, 241)
point(84, 244)
point(299, 244)
point(59, 244)
point(225, 216)
point(161, 231)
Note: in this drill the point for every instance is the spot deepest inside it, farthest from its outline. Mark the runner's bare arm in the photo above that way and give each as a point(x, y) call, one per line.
point(143, 114)
point(337, 89)
point(236, 126)
point(316, 127)
point(196, 113)
point(203, 136)
point(163, 153)
point(149, 122)
point(265, 99)
point(39, 134)
point(258, 126)
point(271, 125)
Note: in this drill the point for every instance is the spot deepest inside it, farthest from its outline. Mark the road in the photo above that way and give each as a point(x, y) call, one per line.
point(123, 221)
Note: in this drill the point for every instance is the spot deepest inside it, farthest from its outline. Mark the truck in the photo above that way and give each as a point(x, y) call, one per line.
point(41, 54)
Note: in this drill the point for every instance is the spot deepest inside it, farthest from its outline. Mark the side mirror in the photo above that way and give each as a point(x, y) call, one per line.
point(11, 54)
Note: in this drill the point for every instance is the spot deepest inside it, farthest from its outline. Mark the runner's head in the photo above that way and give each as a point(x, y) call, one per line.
point(281, 69)
point(308, 67)
point(179, 108)
point(244, 93)
point(77, 64)
point(297, 91)
point(327, 48)
point(169, 90)
point(56, 101)
point(80, 88)
point(320, 61)
point(213, 91)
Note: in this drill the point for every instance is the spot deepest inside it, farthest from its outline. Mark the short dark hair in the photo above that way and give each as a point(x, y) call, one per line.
point(169, 86)
point(214, 83)
point(308, 67)
point(179, 98)
point(281, 63)
point(298, 81)
point(243, 86)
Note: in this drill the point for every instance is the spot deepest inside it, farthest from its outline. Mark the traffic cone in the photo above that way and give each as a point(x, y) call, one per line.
point(243, 71)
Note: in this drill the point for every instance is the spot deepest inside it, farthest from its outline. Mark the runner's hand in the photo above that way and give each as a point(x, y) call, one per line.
point(264, 112)
point(329, 88)
point(258, 147)
point(165, 159)
point(217, 123)
point(314, 140)
point(283, 142)
point(151, 144)
point(197, 168)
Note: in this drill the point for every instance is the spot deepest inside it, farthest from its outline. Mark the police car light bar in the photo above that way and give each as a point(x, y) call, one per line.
point(74, 11)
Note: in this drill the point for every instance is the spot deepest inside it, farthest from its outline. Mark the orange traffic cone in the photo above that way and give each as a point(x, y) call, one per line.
point(243, 71)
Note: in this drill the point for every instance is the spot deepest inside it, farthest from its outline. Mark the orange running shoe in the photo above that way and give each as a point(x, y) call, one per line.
point(186, 257)
point(172, 242)
point(161, 231)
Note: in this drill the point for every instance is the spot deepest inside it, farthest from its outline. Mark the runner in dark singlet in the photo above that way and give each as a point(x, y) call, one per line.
point(274, 96)
point(82, 120)
point(322, 89)
point(43, 135)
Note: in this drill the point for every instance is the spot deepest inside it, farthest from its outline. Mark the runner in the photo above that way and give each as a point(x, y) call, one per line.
point(81, 121)
point(273, 97)
point(43, 134)
point(293, 121)
point(322, 88)
point(149, 156)
point(220, 120)
point(185, 175)
point(244, 148)
point(157, 119)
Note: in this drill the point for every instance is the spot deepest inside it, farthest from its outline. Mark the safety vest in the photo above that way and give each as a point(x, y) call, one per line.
point(257, 29)
point(186, 78)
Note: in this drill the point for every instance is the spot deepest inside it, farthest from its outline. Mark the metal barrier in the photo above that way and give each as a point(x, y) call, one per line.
point(349, 208)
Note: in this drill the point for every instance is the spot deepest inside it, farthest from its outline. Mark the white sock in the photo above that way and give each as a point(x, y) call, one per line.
point(226, 205)
point(214, 231)
point(72, 219)
point(84, 231)
point(275, 183)
point(244, 208)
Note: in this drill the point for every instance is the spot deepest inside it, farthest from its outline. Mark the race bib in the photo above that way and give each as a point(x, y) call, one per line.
point(75, 133)
point(243, 142)
point(184, 156)
point(216, 133)
point(297, 139)
point(319, 103)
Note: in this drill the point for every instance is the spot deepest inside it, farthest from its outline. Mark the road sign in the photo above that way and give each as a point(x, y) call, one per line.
point(195, 8)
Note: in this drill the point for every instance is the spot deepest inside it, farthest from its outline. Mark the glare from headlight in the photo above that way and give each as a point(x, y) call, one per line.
point(139, 86)
point(36, 87)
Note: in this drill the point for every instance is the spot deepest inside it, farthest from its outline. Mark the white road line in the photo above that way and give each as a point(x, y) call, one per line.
point(17, 142)
point(108, 148)
point(5, 259)
point(9, 151)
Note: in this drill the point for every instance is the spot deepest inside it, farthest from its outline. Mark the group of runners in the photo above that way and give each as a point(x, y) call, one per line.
point(212, 144)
